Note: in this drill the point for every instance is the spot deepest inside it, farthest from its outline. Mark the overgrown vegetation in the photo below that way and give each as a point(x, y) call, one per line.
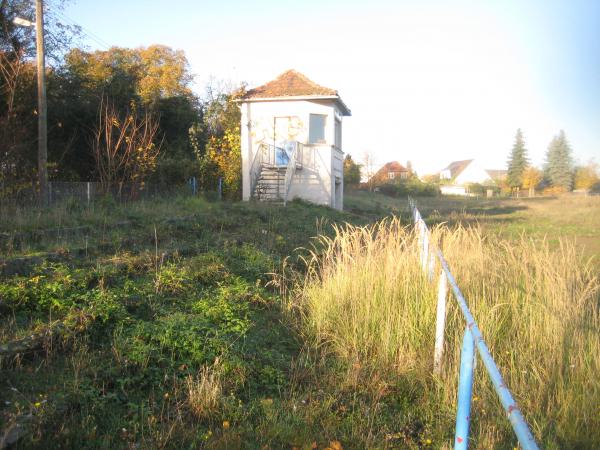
point(412, 186)
point(170, 334)
point(183, 323)
point(366, 301)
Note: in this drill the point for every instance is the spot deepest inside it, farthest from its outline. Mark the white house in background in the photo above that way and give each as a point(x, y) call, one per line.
point(460, 174)
point(291, 142)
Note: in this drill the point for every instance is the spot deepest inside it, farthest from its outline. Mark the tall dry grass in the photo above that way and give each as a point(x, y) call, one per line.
point(366, 300)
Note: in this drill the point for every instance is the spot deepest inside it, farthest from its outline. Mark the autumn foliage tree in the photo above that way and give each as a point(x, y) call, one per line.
point(531, 178)
point(221, 157)
point(587, 177)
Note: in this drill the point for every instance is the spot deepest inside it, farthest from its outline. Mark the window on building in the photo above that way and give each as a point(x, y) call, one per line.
point(338, 133)
point(316, 129)
point(391, 175)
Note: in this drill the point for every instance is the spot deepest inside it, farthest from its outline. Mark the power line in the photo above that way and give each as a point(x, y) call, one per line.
point(92, 36)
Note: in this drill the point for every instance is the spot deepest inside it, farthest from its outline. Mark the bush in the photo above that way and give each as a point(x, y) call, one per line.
point(477, 188)
point(173, 171)
point(413, 187)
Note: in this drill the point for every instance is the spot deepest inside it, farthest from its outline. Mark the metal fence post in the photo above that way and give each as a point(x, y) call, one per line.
point(465, 391)
point(472, 339)
point(88, 194)
point(425, 246)
point(420, 230)
point(431, 265)
point(440, 323)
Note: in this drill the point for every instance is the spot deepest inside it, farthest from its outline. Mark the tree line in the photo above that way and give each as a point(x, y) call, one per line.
point(559, 172)
point(116, 116)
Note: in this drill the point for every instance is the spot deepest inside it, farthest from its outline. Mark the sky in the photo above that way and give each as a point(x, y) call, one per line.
point(429, 81)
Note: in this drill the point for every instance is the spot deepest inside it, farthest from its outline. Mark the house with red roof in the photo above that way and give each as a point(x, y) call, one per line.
point(390, 172)
point(291, 141)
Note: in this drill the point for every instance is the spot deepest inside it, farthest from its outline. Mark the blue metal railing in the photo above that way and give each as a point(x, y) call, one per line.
point(472, 339)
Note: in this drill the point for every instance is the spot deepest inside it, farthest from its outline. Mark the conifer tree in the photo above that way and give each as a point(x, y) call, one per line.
point(517, 162)
point(558, 169)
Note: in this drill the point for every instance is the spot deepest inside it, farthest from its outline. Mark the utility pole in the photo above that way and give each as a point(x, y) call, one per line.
point(42, 108)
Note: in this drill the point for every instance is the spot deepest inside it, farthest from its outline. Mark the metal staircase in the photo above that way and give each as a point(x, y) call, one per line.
point(272, 172)
point(270, 186)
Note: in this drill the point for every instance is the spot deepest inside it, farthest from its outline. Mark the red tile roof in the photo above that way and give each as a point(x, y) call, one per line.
point(289, 84)
point(381, 176)
point(393, 166)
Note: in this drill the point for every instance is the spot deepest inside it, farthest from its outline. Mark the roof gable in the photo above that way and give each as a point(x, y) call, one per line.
point(457, 167)
point(290, 84)
point(391, 167)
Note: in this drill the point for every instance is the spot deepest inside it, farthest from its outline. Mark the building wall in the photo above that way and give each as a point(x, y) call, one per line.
point(453, 190)
point(315, 182)
point(473, 173)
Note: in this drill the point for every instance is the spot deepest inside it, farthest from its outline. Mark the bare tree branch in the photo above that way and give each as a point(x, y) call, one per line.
point(124, 146)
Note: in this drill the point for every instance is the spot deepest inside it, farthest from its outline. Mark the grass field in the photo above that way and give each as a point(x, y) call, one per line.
point(576, 218)
point(183, 323)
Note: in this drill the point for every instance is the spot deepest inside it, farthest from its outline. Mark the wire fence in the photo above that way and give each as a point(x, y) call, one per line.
point(88, 192)
point(473, 339)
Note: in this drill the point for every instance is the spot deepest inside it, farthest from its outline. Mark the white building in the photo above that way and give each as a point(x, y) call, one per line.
point(461, 174)
point(291, 141)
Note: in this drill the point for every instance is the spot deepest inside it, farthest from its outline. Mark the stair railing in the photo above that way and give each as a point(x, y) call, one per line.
point(256, 166)
point(290, 170)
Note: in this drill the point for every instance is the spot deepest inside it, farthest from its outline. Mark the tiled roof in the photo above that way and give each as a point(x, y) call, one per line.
point(456, 167)
point(393, 166)
point(289, 84)
point(381, 176)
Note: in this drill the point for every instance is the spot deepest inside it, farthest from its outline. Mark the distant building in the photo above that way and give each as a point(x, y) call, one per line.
point(291, 141)
point(390, 172)
point(498, 176)
point(459, 175)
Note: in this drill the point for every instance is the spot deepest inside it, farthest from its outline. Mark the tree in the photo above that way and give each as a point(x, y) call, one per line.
point(531, 179)
point(21, 40)
point(18, 111)
point(351, 172)
point(124, 146)
point(18, 156)
point(154, 82)
point(220, 127)
point(587, 176)
point(368, 168)
point(146, 74)
point(75, 91)
point(558, 169)
point(517, 162)
point(433, 178)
